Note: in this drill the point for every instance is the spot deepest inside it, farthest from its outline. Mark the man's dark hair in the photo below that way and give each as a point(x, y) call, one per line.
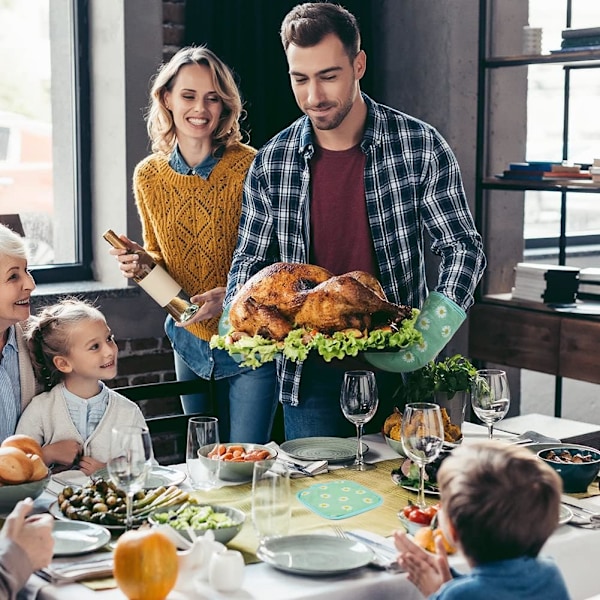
point(307, 24)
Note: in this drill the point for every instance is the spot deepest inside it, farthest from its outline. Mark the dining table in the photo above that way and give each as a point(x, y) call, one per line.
point(572, 548)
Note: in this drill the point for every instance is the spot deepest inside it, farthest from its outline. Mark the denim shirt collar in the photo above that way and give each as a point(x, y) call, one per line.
point(204, 169)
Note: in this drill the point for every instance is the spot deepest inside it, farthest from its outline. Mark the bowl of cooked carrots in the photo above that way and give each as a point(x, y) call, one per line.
point(236, 461)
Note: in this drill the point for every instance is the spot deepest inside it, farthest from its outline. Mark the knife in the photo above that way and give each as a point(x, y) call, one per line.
point(372, 543)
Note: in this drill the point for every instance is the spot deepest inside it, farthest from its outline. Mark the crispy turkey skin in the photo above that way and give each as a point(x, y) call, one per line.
point(285, 296)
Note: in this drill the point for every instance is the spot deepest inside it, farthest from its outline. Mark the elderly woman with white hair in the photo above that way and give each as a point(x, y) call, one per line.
point(17, 381)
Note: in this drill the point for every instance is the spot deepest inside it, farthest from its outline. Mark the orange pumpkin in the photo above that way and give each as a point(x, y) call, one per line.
point(145, 564)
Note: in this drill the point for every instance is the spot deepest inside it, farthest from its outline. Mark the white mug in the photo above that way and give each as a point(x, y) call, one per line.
point(226, 571)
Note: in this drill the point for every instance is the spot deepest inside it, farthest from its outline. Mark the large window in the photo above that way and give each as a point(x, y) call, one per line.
point(44, 133)
point(545, 126)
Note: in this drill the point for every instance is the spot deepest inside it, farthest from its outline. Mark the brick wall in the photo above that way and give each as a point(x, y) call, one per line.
point(173, 27)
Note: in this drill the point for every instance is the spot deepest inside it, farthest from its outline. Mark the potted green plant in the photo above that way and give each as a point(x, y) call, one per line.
point(446, 382)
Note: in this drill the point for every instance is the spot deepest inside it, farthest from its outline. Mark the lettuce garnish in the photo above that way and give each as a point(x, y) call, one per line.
point(253, 351)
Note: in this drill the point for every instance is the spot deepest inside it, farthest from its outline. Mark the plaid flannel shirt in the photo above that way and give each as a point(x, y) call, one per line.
point(412, 185)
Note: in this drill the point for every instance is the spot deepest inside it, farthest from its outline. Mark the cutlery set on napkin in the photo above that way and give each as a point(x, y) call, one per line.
point(68, 571)
point(297, 467)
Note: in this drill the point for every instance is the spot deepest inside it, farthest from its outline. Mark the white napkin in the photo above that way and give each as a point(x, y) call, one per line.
point(65, 571)
point(315, 467)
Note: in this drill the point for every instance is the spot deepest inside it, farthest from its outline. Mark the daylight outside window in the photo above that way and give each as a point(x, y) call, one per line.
point(41, 92)
point(545, 129)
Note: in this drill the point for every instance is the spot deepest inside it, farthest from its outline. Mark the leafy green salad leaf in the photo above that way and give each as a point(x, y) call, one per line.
point(253, 351)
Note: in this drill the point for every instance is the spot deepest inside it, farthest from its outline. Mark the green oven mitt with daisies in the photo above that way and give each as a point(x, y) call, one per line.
point(438, 321)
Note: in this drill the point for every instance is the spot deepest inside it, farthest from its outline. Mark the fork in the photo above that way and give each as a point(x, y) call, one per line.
point(380, 561)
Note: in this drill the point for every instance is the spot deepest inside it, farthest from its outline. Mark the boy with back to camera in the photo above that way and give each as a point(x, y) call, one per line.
point(500, 504)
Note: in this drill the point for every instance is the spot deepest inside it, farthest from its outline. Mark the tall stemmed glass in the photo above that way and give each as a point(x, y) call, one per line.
point(422, 438)
point(359, 400)
point(490, 397)
point(129, 463)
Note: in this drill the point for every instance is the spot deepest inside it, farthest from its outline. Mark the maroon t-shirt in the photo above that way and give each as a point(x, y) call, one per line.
point(340, 238)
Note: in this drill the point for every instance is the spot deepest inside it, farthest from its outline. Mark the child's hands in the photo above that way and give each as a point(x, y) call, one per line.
point(427, 571)
point(65, 452)
point(88, 464)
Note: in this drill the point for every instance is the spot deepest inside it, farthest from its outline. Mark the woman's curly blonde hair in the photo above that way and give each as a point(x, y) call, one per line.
point(161, 127)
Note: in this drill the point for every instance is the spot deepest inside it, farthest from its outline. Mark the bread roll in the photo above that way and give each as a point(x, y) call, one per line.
point(40, 470)
point(23, 442)
point(15, 465)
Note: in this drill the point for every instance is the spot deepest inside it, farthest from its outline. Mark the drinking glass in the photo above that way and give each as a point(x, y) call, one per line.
point(422, 438)
point(202, 435)
point(271, 508)
point(129, 462)
point(359, 400)
point(490, 397)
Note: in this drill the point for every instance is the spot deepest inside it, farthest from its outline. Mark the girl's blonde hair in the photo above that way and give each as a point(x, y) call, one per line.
point(160, 124)
point(11, 243)
point(48, 335)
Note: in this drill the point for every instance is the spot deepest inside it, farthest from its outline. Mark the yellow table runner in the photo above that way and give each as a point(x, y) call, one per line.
point(382, 520)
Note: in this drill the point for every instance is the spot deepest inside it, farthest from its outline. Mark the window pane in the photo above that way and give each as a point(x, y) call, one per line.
point(37, 121)
point(545, 122)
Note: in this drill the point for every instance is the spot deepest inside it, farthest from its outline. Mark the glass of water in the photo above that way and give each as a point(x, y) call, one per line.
point(271, 502)
point(202, 437)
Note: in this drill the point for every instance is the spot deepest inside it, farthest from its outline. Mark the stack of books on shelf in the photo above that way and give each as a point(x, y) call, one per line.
point(550, 284)
point(546, 171)
point(574, 40)
point(589, 284)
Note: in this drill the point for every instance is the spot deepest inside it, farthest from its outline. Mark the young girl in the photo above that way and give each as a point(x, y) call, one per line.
point(72, 349)
point(17, 381)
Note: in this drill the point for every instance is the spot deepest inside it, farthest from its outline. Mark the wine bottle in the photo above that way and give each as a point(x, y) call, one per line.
point(156, 282)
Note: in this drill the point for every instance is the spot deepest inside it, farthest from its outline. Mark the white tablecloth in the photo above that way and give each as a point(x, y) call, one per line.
point(573, 549)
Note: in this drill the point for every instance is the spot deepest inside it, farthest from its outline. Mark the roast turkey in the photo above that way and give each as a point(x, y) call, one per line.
point(285, 296)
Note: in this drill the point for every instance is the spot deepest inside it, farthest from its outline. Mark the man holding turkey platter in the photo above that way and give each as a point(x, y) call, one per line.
point(351, 186)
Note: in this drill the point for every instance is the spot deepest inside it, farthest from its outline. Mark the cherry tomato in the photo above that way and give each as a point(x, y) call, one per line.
point(417, 515)
point(407, 510)
point(431, 511)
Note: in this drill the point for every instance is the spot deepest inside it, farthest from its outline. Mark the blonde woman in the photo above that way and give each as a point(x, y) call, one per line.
point(17, 381)
point(188, 194)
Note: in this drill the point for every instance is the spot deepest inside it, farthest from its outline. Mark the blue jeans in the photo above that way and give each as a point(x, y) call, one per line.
point(318, 412)
point(244, 403)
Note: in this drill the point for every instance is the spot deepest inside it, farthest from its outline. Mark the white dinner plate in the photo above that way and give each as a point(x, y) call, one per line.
point(76, 537)
point(157, 477)
point(331, 449)
point(398, 481)
point(315, 554)
point(565, 514)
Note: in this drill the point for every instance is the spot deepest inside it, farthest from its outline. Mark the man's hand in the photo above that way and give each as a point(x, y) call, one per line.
point(32, 533)
point(427, 571)
point(211, 305)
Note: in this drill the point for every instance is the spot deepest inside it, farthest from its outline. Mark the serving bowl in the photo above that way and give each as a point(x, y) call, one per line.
point(395, 445)
point(237, 471)
point(169, 515)
point(11, 494)
point(576, 476)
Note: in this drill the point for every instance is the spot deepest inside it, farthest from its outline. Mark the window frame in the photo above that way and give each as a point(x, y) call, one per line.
point(81, 268)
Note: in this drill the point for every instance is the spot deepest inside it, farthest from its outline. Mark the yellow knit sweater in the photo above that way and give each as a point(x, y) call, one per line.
point(190, 224)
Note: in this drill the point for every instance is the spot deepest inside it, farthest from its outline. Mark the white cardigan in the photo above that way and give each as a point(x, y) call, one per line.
point(47, 420)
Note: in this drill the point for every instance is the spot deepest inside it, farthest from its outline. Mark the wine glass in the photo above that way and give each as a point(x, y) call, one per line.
point(422, 438)
point(271, 507)
point(490, 397)
point(359, 400)
point(129, 463)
